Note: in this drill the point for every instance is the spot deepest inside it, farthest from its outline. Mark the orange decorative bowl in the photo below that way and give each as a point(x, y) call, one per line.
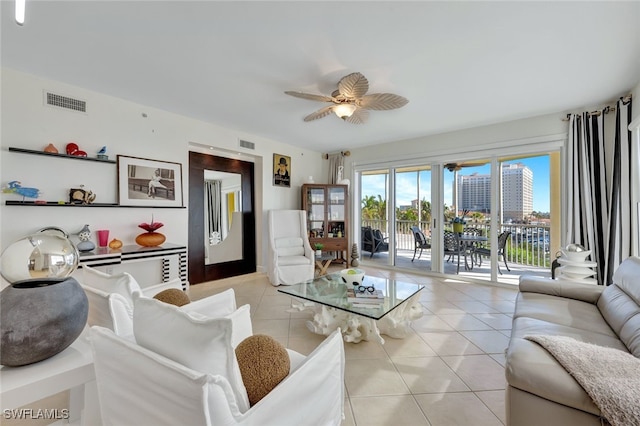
point(150, 239)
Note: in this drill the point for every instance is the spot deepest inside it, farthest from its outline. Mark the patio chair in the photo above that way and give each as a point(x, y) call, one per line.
point(486, 252)
point(451, 246)
point(373, 241)
point(420, 240)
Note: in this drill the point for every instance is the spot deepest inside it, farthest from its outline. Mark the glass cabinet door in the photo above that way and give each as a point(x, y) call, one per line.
point(315, 212)
point(336, 211)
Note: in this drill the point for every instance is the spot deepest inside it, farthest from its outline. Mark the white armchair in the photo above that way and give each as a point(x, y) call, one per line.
point(291, 259)
point(165, 376)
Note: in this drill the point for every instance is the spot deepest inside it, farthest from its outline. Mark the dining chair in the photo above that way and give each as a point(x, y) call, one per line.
point(421, 241)
point(503, 237)
point(451, 245)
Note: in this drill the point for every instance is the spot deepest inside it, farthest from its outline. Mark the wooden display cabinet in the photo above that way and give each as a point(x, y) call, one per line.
point(326, 207)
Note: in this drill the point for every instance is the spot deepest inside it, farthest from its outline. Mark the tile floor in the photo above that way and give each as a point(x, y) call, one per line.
point(449, 371)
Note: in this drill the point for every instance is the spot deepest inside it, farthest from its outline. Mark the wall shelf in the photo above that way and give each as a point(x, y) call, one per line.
point(51, 154)
point(56, 204)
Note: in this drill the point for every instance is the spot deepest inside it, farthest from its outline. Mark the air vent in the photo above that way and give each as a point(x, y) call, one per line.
point(60, 101)
point(247, 144)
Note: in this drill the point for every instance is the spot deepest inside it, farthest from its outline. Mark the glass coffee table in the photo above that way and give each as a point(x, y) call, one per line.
point(326, 296)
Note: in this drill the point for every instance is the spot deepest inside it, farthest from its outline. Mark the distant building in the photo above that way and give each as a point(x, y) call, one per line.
point(517, 191)
point(474, 192)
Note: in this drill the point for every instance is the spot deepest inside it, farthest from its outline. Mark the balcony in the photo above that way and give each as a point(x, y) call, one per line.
point(527, 251)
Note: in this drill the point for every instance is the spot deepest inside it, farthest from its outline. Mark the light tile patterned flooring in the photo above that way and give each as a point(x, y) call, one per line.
point(448, 371)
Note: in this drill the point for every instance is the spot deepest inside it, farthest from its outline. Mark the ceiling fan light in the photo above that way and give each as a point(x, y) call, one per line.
point(344, 110)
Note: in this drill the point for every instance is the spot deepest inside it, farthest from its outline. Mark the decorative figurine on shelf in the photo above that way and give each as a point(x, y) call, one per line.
point(150, 238)
point(115, 244)
point(72, 149)
point(102, 154)
point(15, 188)
point(85, 243)
point(81, 196)
point(340, 180)
point(354, 255)
point(51, 149)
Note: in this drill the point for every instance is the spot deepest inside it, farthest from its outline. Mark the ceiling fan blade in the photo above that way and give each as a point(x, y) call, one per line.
point(354, 85)
point(309, 96)
point(382, 101)
point(322, 112)
point(458, 166)
point(359, 116)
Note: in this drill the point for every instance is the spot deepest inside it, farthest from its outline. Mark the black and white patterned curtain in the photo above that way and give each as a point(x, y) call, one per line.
point(619, 247)
point(599, 210)
point(213, 195)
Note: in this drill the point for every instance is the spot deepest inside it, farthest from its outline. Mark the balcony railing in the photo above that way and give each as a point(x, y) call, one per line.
point(528, 245)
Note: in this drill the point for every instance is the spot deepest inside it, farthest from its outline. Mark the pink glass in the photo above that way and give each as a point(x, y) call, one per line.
point(103, 237)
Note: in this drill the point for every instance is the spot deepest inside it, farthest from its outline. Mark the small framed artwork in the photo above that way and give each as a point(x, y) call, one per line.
point(281, 170)
point(151, 183)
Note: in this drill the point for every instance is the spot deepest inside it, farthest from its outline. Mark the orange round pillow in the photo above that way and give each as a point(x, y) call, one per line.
point(263, 363)
point(173, 296)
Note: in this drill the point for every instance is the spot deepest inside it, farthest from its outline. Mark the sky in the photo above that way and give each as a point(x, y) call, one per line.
point(406, 183)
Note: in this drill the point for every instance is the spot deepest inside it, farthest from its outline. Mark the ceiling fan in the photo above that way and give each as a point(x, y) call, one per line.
point(454, 167)
point(350, 101)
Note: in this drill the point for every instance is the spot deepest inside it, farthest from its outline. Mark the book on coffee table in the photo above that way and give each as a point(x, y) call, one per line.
point(375, 298)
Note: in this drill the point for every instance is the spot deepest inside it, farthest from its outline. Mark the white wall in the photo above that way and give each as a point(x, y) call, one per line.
point(119, 124)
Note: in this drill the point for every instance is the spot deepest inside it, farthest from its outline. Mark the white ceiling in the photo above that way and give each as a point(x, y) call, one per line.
point(460, 64)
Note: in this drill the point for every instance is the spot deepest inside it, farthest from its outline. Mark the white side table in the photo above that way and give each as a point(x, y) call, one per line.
point(70, 369)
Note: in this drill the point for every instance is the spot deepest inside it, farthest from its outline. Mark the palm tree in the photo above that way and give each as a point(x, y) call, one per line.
point(425, 211)
point(369, 208)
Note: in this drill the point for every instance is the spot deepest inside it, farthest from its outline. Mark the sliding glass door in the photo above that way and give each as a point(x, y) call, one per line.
point(506, 206)
point(413, 217)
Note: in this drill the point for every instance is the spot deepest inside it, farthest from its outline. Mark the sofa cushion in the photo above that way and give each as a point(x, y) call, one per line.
point(123, 284)
point(173, 296)
point(563, 311)
point(293, 260)
point(620, 304)
point(289, 246)
point(193, 340)
point(611, 377)
point(264, 363)
point(626, 277)
point(530, 368)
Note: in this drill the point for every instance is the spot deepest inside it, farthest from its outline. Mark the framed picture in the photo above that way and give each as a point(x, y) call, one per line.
point(153, 183)
point(281, 170)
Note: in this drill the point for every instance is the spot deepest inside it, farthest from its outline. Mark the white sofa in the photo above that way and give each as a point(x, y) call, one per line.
point(540, 390)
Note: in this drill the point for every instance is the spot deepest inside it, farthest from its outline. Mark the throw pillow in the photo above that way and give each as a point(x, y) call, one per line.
point(193, 340)
point(173, 296)
point(123, 284)
point(263, 363)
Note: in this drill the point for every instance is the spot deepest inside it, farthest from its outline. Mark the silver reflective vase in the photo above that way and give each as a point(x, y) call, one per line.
point(43, 311)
